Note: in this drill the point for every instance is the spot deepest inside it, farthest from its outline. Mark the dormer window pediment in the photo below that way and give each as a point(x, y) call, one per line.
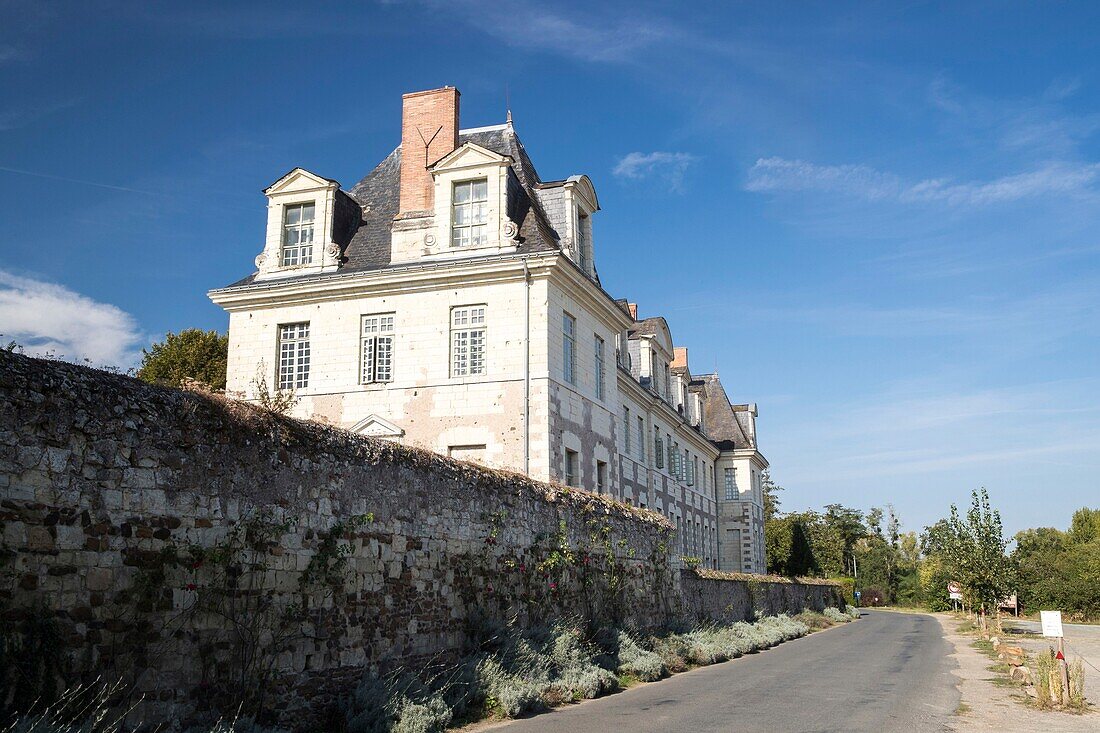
point(301, 208)
point(470, 209)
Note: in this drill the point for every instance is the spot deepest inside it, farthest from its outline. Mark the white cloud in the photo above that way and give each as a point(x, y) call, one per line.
point(48, 318)
point(860, 181)
point(669, 167)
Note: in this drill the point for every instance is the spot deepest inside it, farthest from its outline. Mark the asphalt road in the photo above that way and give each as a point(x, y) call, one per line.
point(885, 672)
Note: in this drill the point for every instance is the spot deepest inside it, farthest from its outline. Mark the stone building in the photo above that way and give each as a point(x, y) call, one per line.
point(451, 300)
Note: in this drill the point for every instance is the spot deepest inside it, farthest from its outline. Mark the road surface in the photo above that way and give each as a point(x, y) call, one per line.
point(885, 672)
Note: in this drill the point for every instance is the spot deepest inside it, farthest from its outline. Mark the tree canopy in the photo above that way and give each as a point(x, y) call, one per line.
point(190, 354)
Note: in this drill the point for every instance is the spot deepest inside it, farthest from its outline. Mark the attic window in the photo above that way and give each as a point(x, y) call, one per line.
point(297, 235)
point(470, 207)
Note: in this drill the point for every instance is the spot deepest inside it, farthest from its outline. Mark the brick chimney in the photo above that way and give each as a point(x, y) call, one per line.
point(429, 130)
point(633, 310)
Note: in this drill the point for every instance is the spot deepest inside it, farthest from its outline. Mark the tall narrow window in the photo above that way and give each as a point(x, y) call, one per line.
point(601, 477)
point(641, 438)
point(569, 348)
point(470, 207)
point(582, 241)
point(601, 379)
point(294, 355)
point(467, 340)
point(570, 467)
point(731, 484)
point(297, 235)
point(670, 456)
point(658, 448)
point(377, 348)
point(626, 430)
point(668, 384)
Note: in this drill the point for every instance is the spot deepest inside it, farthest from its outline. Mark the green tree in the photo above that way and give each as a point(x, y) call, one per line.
point(974, 548)
point(190, 354)
point(771, 490)
point(1085, 525)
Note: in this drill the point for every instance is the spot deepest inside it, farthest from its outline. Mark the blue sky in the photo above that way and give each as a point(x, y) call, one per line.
point(880, 221)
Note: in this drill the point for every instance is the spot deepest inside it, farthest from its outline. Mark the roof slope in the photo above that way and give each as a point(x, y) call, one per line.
point(723, 426)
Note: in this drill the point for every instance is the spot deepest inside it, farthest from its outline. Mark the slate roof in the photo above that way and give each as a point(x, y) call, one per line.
point(723, 426)
point(366, 239)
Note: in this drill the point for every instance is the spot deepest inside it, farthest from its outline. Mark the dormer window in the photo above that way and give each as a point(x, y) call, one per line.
point(297, 235)
point(469, 213)
point(582, 241)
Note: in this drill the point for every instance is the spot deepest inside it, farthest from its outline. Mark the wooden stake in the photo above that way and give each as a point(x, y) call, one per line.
point(1065, 671)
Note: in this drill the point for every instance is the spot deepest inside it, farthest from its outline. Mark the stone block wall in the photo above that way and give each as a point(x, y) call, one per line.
point(717, 597)
point(156, 529)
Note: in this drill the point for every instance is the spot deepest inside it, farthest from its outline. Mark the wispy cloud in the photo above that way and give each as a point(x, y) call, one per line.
point(587, 36)
point(46, 318)
point(80, 181)
point(668, 167)
point(860, 181)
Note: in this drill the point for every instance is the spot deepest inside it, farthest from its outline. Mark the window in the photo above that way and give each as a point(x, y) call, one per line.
point(470, 207)
point(570, 467)
point(293, 355)
point(569, 348)
point(467, 340)
point(693, 470)
point(297, 235)
point(641, 438)
point(658, 448)
point(731, 484)
point(668, 384)
point(377, 351)
point(670, 458)
point(626, 430)
point(601, 477)
point(601, 387)
point(582, 241)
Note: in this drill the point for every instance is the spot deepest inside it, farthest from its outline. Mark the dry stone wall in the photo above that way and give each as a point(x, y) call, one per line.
point(205, 551)
point(731, 597)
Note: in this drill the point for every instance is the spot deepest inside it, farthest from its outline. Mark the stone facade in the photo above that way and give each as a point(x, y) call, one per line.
point(548, 404)
point(195, 545)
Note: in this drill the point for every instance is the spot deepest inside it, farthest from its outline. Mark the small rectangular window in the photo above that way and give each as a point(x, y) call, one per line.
point(569, 348)
point(377, 348)
point(470, 210)
point(601, 378)
point(601, 477)
point(294, 355)
point(297, 235)
point(626, 430)
point(570, 467)
point(641, 438)
point(731, 484)
point(467, 340)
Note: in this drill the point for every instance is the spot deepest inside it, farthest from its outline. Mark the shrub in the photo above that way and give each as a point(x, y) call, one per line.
point(836, 615)
point(852, 611)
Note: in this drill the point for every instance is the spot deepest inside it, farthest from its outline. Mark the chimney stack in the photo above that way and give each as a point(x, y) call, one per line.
point(633, 310)
point(429, 130)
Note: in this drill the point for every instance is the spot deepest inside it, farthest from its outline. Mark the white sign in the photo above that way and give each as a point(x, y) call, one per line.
point(1052, 623)
point(954, 591)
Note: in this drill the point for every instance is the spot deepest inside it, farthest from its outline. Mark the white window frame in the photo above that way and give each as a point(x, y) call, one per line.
point(641, 437)
point(468, 339)
point(294, 355)
point(377, 333)
point(658, 448)
point(601, 375)
point(569, 348)
point(474, 213)
point(299, 253)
